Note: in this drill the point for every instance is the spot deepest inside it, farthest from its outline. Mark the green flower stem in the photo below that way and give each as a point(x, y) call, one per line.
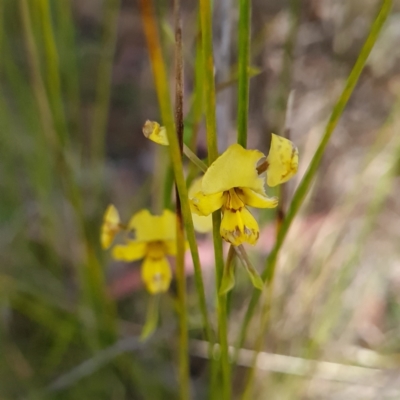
point(198, 103)
point(210, 106)
point(194, 159)
point(184, 379)
point(222, 308)
point(161, 83)
point(180, 235)
point(244, 57)
point(209, 84)
point(307, 180)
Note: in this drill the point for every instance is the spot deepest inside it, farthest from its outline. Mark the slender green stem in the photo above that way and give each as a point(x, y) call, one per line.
point(222, 308)
point(39, 89)
point(180, 237)
point(209, 84)
point(307, 180)
point(286, 72)
point(100, 115)
point(52, 71)
point(209, 88)
point(68, 60)
point(283, 192)
point(198, 103)
point(184, 381)
point(285, 100)
point(161, 83)
point(244, 57)
point(194, 159)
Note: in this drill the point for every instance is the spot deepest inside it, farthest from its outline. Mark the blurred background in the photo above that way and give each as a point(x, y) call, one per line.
point(76, 87)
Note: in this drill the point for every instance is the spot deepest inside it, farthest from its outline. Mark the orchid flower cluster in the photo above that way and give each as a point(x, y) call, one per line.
point(234, 182)
point(154, 239)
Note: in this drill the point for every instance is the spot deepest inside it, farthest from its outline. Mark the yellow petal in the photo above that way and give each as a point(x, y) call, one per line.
point(152, 228)
point(110, 227)
point(202, 224)
point(170, 247)
point(156, 274)
point(236, 167)
point(283, 160)
point(195, 187)
point(238, 227)
point(253, 199)
point(202, 204)
point(130, 252)
point(153, 131)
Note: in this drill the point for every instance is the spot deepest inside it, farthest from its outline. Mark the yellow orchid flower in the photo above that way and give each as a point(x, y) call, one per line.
point(231, 183)
point(111, 226)
point(283, 160)
point(155, 132)
point(154, 240)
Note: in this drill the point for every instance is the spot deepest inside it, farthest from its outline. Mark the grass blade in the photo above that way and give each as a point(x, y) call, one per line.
point(244, 57)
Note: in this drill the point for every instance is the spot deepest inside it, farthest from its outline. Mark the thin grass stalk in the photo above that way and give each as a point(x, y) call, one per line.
point(184, 382)
point(104, 75)
point(200, 165)
point(283, 189)
point(162, 89)
point(210, 107)
point(311, 172)
point(285, 99)
point(285, 78)
point(197, 107)
point(167, 187)
point(209, 84)
point(68, 59)
point(38, 87)
point(2, 30)
point(52, 74)
point(244, 79)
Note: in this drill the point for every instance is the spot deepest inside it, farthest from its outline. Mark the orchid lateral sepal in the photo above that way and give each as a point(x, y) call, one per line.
point(253, 274)
point(228, 276)
point(152, 316)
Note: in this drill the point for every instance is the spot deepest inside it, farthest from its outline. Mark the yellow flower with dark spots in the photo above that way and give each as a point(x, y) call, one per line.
point(155, 238)
point(232, 183)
